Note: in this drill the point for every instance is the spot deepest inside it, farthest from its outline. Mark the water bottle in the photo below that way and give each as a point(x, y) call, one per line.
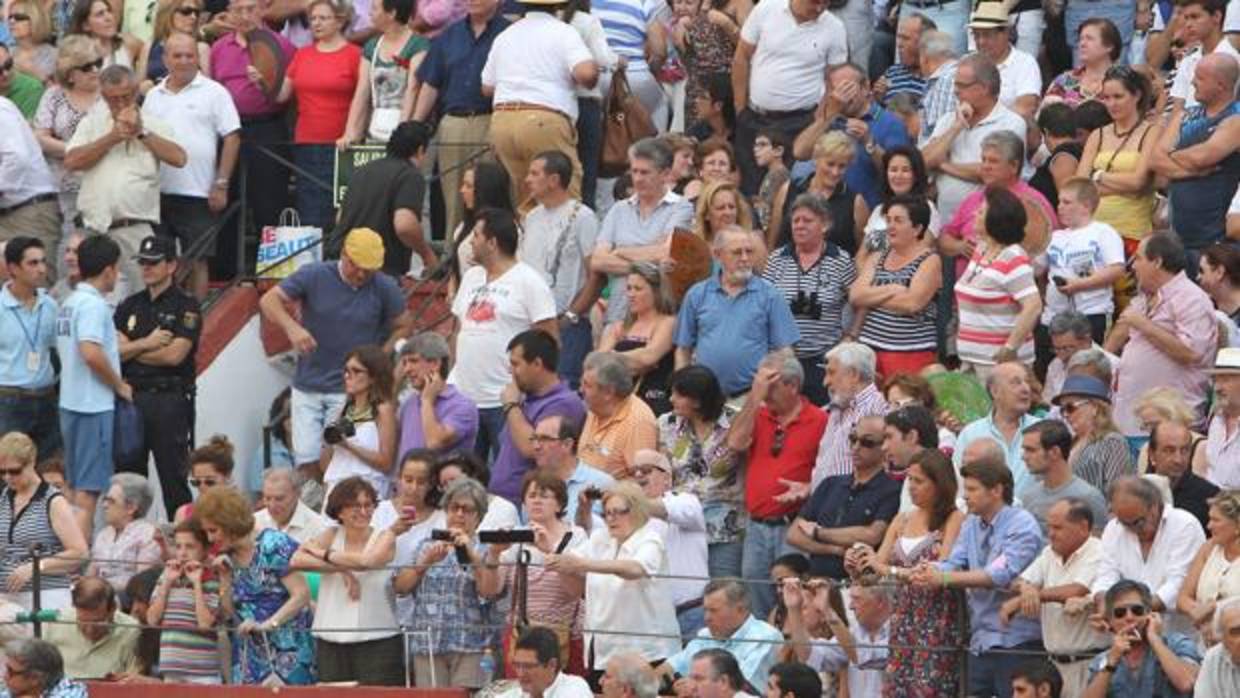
point(486, 668)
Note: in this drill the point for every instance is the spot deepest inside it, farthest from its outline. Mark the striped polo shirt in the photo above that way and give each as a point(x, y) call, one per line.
point(902, 79)
point(184, 650)
point(827, 281)
point(988, 295)
point(624, 23)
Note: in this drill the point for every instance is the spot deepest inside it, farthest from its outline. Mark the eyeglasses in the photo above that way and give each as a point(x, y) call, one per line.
point(199, 483)
point(525, 666)
point(544, 439)
point(614, 513)
point(189, 11)
point(1069, 407)
point(865, 441)
point(91, 67)
point(362, 506)
point(462, 509)
point(1137, 610)
point(10, 472)
point(19, 17)
point(777, 446)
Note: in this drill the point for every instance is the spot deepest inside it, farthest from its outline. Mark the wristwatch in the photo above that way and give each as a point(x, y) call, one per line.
point(1109, 668)
point(572, 317)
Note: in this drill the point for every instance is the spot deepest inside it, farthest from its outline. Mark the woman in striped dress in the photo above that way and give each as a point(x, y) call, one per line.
point(895, 293)
point(33, 512)
point(186, 604)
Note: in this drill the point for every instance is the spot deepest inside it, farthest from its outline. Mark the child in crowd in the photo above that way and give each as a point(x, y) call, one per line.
point(1084, 259)
point(773, 152)
point(186, 605)
point(1057, 122)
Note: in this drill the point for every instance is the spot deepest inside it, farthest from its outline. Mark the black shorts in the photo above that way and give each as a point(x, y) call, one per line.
point(187, 219)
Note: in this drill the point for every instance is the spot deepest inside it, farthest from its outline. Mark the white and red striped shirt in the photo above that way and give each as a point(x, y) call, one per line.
point(988, 295)
point(834, 451)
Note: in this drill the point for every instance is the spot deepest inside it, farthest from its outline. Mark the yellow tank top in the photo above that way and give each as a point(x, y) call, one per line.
point(1132, 215)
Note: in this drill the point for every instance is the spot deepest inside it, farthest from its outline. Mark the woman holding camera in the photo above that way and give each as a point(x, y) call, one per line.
point(814, 275)
point(362, 441)
point(552, 598)
point(352, 594)
point(450, 582)
point(618, 567)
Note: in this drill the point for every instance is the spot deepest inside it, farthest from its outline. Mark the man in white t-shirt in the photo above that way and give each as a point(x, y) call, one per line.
point(778, 73)
point(498, 298)
point(1084, 259)
point(557, 237)
point(1021, 80)
point(1201, 21)
point(531, 71)
point(955, 147)
point(537, 659)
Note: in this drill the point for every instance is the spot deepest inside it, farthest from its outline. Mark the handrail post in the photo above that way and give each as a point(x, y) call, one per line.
point(242, 215)
point(36, 583)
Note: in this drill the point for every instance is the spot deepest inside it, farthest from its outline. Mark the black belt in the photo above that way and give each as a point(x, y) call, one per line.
point(466, 113)
point(688, 605)
point(774, 520)
point(928, 3)
point(126, 222)
point(262, 118)
point(36, 199)
point(1076, 657)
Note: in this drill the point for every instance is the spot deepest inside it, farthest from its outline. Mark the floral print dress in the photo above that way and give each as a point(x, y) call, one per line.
point(257, 594)
point(923, 618)
point(708, 50)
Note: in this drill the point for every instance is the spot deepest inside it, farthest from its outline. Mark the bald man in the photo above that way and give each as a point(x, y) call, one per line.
point(192, 197)
point(1011, 397)
point(1197, 152)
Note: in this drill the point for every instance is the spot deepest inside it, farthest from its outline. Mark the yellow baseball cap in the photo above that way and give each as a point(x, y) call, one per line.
point(365, 247)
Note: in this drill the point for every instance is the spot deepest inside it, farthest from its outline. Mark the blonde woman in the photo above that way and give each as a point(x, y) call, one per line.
point(718, 206)
point(31, 27)
point(644, 337)
point(833, 153)
point(182, 16)
point(1099, 451)
point(1214, 574)
point(1166, 405)
point(64, 104)
point(97, 20)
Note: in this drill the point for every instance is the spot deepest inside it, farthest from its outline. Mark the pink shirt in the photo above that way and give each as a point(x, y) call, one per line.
point(117, 557)
point(962, 225)
point(1184, 310)
point(228, 63)
point(438, 14)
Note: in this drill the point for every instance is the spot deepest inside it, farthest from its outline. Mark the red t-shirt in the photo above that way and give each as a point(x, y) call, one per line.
point(794, 462)
point(323, 83)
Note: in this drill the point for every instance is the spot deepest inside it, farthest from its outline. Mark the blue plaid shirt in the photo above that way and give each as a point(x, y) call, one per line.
point(63, 689)
point(447, 604)
point(1148, 680)
point(939, 100)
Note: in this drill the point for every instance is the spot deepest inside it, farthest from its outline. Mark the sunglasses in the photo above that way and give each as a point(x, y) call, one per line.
point(189, 11)
point(1136, 610)
point(544, 439)
point(865, 441)
point(10, 472)
point(19, 17)
point(777, 446)
point(1069, 407)
point(91, 67)
point(207, 482)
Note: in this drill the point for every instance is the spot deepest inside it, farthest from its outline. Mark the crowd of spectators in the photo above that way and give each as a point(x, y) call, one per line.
point(954, 406)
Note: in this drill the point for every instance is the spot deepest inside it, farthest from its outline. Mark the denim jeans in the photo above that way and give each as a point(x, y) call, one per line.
point(763, 543)
point(314, 203)
point(490, 424)
point(37, 418)
point(311, 412)
point(724, 559)
point(691, 621)
point(589, 146)
point(576, 340)
point(1122, 13)
point(990, 673)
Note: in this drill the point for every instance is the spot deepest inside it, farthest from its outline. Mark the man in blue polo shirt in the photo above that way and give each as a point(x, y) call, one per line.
point(730, 321)
point(90, 372)
point(451, 79)
point(849, 106)
point(27, 337)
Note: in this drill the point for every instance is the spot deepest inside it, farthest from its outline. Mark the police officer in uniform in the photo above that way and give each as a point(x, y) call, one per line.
point(158, 334)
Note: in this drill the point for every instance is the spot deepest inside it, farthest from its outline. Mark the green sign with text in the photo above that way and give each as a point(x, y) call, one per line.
point(349, 161)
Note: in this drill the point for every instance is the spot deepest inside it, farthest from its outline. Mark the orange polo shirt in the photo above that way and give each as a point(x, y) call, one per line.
point(605, 442)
